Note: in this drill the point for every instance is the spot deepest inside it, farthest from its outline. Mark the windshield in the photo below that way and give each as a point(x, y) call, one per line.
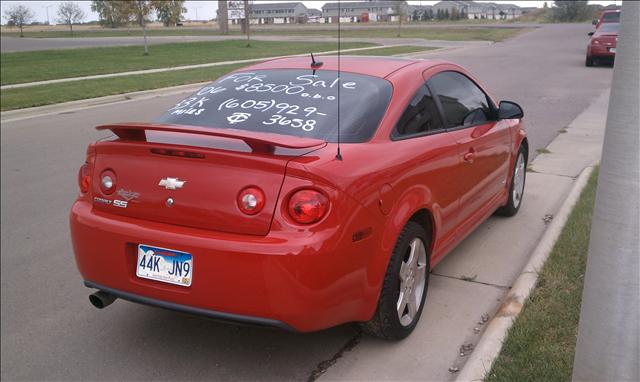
point(609, 28)
point(296, 102)
point(611, 17)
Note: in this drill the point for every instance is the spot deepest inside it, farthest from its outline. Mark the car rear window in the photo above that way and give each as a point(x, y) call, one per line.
point(612, 17)
point(301, 103)
point(609, 28)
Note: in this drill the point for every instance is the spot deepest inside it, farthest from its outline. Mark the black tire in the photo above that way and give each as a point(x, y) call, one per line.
point(386, 322)
point(513, 204)
point(589, 61)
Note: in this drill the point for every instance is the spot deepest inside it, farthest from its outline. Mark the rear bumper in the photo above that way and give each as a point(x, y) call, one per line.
point(600, 51)
point(188, 309)
point(304, 281)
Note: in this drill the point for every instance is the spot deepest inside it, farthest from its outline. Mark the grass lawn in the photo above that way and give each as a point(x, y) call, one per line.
point(541, 344)
point(390, 51)
point(462, 32)
point(70, 91)
point(23, 67)
point(449, 34)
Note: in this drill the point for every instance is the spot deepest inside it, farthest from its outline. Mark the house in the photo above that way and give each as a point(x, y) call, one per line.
point(314, 15)
point(419, 12)
point(278, 13)
point(363, 11)
point(474, 10)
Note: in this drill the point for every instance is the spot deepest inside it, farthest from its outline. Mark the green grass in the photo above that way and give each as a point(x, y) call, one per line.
point(390, 51)
point(543, 151)
point(462, 32)
point(541, 344)
point(24, 67)
point(444, 33)
point(40, 95)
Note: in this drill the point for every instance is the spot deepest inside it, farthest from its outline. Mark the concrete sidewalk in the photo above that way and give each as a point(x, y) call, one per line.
point(473, 280)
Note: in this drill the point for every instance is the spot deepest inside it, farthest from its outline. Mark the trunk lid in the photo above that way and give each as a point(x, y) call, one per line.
point(192, 177)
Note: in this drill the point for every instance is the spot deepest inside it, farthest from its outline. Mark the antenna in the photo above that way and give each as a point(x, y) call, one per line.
point(338, 153)
point(314, 63)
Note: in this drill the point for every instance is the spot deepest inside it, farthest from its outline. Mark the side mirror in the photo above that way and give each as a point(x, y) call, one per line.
point(594, 22)
point(509, 110)
point(590, 34)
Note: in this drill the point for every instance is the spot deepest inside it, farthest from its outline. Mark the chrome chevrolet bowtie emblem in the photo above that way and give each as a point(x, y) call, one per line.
point(172, 183)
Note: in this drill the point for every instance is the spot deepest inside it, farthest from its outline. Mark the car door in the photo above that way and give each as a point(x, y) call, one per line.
point(482, 142)
point(430, 153)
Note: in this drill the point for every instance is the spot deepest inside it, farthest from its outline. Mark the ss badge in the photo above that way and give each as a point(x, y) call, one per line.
point(120, 203)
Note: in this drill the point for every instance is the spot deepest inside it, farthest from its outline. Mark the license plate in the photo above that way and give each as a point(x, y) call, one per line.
point(165, 265)
point(612, 50)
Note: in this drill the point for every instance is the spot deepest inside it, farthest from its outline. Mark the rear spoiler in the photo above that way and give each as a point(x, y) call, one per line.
point(258, 141)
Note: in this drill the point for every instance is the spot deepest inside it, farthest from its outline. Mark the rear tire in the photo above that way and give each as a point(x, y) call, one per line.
point(589, 61)
point(404, 288)
point(516, 190)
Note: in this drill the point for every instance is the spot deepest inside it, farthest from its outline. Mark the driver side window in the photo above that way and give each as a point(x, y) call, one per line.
point(463, 102)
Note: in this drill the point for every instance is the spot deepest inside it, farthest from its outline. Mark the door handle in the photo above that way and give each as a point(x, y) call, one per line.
point(468, 157)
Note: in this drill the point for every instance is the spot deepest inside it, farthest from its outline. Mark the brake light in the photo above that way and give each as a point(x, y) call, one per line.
point(308, 206)
point(251, 200)
point(84, 178)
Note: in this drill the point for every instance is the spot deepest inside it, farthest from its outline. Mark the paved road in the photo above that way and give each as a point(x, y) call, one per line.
point(49, 330)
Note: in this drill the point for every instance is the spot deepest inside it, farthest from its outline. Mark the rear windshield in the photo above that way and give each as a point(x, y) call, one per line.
point(302, 103)
point(609, 28)
point(613, 17)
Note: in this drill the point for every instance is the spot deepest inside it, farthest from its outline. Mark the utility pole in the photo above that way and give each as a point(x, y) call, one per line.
point(608, 347)
point(47, 8)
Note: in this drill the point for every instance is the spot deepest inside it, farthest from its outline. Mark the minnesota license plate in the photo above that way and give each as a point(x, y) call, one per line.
point(165, 265)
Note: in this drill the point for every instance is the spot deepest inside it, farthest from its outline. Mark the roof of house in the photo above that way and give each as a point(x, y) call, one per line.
point(363, 4)
point(274, 6)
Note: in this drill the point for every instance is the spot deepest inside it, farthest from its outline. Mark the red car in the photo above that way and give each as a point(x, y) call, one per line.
point(258, 199)
point(602, 45)
point(612, 16)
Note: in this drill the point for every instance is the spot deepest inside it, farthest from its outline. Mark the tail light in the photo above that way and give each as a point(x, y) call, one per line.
point(308, 206)
point(84, 178)
point(251, 200)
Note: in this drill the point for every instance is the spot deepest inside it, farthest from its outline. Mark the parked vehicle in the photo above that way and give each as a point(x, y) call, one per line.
point(611, 16)
point(602, 44)
point(299, 194)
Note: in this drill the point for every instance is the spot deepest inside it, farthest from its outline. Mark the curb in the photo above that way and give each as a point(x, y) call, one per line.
point(490, 344)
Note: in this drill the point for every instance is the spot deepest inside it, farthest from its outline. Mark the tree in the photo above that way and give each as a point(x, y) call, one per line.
point(139, 11)
point(575, 10)
point(70, 13)
point(247, 21)
point(455, 14)
point(446, 14)
point(545, 6)
point(223, 17)
point(169, 11)
point(18, 15)
point(400, 11)
point(111, 13)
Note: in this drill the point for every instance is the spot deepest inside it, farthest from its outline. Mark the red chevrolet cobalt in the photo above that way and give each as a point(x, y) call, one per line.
point(296, 195)
point(602, 45)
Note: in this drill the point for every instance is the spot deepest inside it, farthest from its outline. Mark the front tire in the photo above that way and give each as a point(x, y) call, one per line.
point(404, 287)
point(516, 190)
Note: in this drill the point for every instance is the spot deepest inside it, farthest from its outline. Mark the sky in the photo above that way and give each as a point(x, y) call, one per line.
point(206, 10)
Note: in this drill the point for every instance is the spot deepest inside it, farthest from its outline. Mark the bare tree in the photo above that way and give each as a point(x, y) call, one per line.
point(70, 13)
point(18, 15)
point(400, 11)
point(247, 20)
point(223, 17)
